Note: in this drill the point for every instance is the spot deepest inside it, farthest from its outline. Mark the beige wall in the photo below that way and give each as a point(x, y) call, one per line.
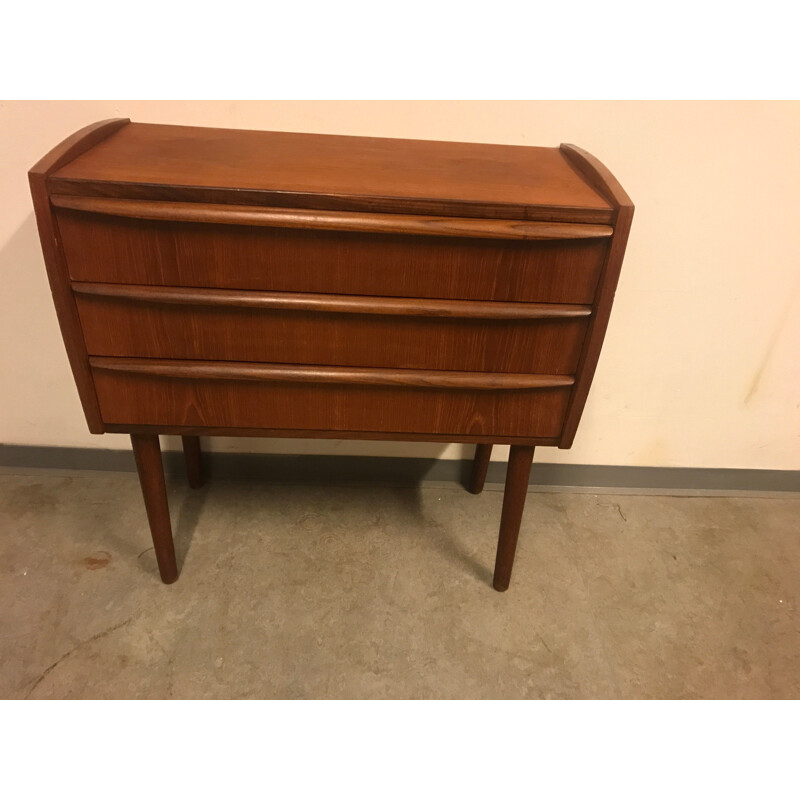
point(700, 366)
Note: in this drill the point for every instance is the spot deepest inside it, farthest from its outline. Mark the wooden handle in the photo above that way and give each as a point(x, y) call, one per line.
point(290, 373)
point(332, 220)
point(331, 303)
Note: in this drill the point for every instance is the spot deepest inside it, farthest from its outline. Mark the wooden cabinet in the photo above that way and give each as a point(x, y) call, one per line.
point(230, 282)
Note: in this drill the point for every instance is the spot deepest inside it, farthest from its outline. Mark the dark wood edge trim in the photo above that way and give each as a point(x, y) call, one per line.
point(332, 220)
point(598, 324)
point(330, 303)
point(254, 371)
point(55, 263)
point(600, 178)
point(597, 175)
point(305, 433)
point(76, 144)
point(449, 207)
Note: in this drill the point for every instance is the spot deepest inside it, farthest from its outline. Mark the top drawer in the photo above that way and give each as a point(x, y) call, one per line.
point(118, 249)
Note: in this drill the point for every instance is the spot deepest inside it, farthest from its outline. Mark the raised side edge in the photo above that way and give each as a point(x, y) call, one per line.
point(330, 303)
point(599, 177)
point(77, 144)
point(212, 213)
point(372, 376)
point(55, 262)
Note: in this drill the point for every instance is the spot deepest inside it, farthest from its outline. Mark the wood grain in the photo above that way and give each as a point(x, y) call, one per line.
point(77, 144)
point(104, 249)
point(340, 172)
point(327, 202)
point(144, 398)
point(55, 263)
point(317, 433)
point(331, 220)
point(514, 496)
point(147, 452)
point(601, 178)
point(193, 457)
point(214, 282)
point(331, 303)
point(284, 373)
point(480, 466)
point(132, 323)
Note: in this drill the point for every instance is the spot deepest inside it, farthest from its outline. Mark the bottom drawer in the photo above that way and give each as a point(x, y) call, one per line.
point(223, 395)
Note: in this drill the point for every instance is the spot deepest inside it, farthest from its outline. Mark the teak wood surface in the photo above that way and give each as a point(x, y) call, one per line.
point(109, 249)
point(146, 323)
point(221, 282)
point(400, 176)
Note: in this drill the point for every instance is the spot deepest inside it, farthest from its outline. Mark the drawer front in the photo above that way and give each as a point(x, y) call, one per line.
point(122, 250)
point(172, 400)
point(309, 329)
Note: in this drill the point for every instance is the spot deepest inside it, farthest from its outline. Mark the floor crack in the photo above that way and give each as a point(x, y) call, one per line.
point(74, 649)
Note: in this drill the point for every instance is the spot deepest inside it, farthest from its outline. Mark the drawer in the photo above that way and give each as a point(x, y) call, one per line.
point(220, 395)
point(114, 249)
point(208, 324)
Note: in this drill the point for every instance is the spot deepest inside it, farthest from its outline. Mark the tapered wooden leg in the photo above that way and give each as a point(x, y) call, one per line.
point(483, 453)
point(147, 452)
point(194, 461)
point(519, 471)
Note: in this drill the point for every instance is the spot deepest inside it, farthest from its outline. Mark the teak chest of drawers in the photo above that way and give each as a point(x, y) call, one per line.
point(222, 282)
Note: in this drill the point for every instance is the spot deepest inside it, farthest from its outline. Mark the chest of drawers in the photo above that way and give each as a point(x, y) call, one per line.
point(221, 282)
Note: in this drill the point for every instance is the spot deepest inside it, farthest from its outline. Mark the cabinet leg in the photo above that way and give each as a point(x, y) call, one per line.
point(147, 452)
point(194, 461)
point(483, 453)
point(519, 470)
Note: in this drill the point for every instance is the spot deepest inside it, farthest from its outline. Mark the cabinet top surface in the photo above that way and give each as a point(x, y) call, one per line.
point(484, 175)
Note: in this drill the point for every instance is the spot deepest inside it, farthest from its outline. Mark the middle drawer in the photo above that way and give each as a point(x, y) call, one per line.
point(233, 325)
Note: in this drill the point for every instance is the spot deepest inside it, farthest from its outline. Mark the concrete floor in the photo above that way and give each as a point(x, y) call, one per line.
point(376, 592)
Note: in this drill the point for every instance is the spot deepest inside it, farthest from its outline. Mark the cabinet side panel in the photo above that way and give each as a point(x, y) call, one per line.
point(600, 178)
point(66, 309)
point(55, 262)
point(597, 327)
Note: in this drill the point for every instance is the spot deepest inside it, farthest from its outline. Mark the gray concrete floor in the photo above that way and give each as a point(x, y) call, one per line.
point(376, 592)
